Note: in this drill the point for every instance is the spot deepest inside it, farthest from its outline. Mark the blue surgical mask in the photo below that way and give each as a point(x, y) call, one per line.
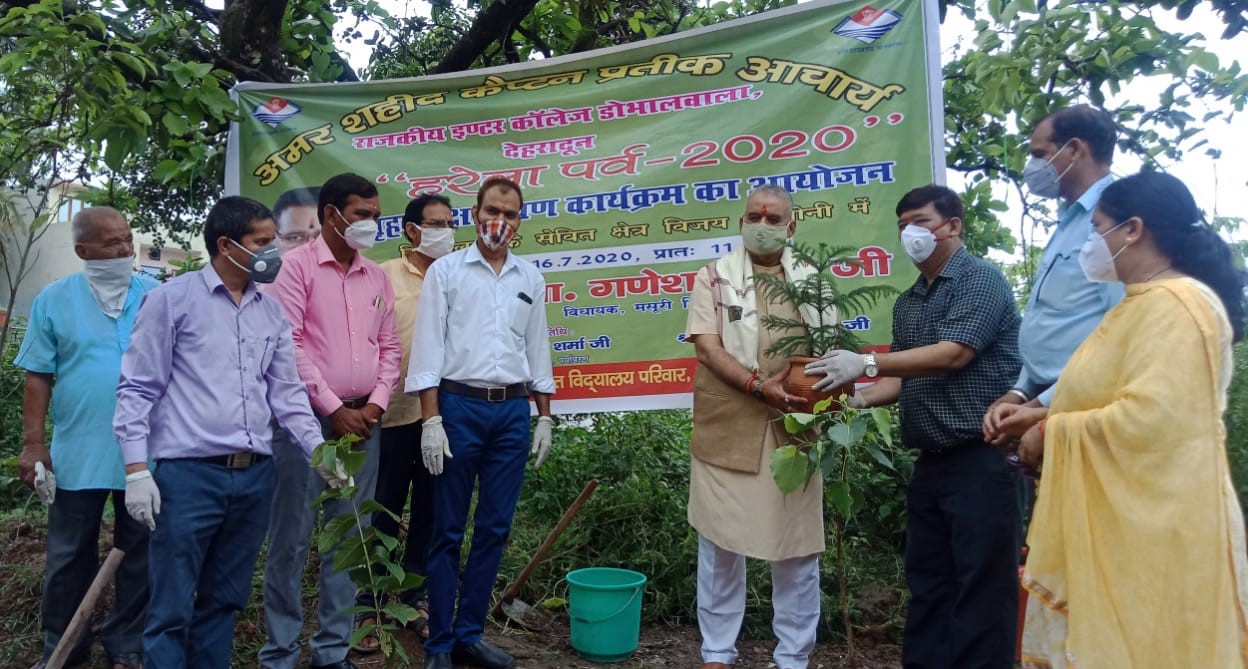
point(264, 263)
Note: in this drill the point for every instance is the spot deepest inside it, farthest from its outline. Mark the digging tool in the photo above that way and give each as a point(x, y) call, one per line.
point(83, 615)
point(509, 605)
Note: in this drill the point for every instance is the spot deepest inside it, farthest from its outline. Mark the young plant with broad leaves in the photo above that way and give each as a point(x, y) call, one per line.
point(827, 443)
point(365, 553)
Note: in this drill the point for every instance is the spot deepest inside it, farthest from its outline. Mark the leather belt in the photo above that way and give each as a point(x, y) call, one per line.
point(354, 402)
point(492, 394)
point(235, 460)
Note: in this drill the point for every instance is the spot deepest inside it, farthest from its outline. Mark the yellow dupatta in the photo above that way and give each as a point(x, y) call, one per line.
point(1137, 539)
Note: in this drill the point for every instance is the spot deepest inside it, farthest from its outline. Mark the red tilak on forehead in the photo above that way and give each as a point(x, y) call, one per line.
point(764, 210)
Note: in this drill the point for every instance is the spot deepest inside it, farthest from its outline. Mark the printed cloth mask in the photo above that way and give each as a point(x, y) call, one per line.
point(1096, 260)
point(496, 233)
point(764, 239)
point(920, 242)
point(436, 242)
point(109, 281)
point(1042, 178)
point(361, 234)
point(264, 264)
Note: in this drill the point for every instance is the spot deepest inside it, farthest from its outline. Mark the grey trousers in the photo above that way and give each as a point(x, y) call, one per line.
point(290, 531)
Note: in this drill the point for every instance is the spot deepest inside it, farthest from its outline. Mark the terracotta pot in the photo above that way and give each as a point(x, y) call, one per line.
point(798, 383)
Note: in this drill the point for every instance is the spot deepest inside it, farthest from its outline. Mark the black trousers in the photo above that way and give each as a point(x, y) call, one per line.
point(400, 472)
point(963, 534)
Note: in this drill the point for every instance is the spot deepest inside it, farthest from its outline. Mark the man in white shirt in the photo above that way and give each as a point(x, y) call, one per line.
point(479, 350)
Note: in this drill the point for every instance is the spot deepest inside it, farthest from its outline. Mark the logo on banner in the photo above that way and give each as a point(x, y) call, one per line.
point(273, 112)
point(868, 25)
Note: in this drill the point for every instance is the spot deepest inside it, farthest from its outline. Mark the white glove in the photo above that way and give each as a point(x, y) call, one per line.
point(856, 401)
point(45, 483)
point(434, 445)
point(839, 368)
point(336, 479)
point(142, 498)
point(541, 440)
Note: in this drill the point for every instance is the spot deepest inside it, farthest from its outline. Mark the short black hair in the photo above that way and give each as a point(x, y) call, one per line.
point(296, 197)
point(944, 199)
point(1094, 126)
point(339, 189)
point(233, 217)
point(502, 183)
point(415, 211)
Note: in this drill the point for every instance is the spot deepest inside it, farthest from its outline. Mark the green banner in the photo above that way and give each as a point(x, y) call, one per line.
point(635, 163)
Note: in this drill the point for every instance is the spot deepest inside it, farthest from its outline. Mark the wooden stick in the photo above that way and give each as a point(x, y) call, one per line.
point(83, 615)
point(542, 550)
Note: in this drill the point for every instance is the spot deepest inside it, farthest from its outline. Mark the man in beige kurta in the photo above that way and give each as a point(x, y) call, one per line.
point(734, 503)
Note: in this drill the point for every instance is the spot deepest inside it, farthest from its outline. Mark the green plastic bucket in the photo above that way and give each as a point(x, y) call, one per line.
point(605, 604)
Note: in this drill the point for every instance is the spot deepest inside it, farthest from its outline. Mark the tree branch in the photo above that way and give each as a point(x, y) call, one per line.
point(490, 23)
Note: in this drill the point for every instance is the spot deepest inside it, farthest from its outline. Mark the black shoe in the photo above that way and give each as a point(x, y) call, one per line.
point(438, 661)
point(483, 655)
point(344, 664)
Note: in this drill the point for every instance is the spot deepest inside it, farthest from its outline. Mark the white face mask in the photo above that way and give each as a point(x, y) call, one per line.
point(361, 234)
point(436, 242)
point(109, 281)
point(1096, 260)
point(1042, 178)
point(764, 239)
point(919, 242)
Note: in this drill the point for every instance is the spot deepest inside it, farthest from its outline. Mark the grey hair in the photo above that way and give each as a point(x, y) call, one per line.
point(85, 220)
point(772, 189)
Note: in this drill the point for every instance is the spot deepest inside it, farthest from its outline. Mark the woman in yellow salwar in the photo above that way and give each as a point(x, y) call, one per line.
point(1137, 539)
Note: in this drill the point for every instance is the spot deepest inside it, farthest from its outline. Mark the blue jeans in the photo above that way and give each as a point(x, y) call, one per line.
point(74, 558)
point(490, 443)
point(290, 531)
point(208, 535)
point(963, 534)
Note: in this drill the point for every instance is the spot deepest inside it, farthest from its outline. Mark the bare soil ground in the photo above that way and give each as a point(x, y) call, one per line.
point(21, 572)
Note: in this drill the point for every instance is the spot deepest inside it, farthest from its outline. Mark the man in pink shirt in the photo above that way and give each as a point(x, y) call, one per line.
point(341, 310)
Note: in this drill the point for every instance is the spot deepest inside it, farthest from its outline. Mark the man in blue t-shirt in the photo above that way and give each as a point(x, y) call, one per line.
point(79, 327)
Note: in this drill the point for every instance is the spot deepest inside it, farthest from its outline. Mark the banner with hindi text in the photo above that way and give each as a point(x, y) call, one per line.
point(635, 162)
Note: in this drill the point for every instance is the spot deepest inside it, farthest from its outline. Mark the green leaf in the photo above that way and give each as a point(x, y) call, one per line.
point(796, 423)
point(400, 611)
point(553, 603)
point(790, 468)
point(883, 424)
point(175, 124)
point(838, 494)
point(349, 554)
point(879, 455)
point(333, 532)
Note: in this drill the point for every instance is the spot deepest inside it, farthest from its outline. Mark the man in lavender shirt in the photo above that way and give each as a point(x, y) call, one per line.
point(210, 364)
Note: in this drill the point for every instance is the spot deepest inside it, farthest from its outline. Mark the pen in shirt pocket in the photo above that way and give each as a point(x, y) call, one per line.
point(378, 303)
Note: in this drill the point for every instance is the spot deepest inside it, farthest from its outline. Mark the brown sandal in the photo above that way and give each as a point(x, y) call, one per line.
point(361, 619)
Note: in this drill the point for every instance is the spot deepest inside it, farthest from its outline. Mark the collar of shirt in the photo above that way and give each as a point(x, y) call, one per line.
point(1084, 203)
point(212, 281)
point(324, 256)
point(407, 264)
point(954, 267)
point(473, 254)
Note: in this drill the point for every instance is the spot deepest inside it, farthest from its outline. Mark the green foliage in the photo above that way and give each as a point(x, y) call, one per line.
point(822, 292)
point(365, 553)
point(13, 493)
point(180, 267)
point(1237, 422)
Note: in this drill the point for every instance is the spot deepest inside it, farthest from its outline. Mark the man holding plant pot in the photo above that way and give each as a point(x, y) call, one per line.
point(209, 368)
point(954, 352)
point(734, 503)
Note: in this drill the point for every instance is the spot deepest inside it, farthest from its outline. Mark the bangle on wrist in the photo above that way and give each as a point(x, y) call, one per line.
point(749, 383)
point(1021, 395)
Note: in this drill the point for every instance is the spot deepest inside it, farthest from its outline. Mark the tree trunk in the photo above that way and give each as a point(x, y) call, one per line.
point(492, 24)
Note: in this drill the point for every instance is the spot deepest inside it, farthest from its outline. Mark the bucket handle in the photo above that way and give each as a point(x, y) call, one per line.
point(636, 591)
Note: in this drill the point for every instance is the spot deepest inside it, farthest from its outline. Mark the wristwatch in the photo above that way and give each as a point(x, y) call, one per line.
point(869, 367)
point(757, 390)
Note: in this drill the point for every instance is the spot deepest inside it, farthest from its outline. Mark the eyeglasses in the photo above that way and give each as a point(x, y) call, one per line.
point(437, 224)
point(297, 237)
